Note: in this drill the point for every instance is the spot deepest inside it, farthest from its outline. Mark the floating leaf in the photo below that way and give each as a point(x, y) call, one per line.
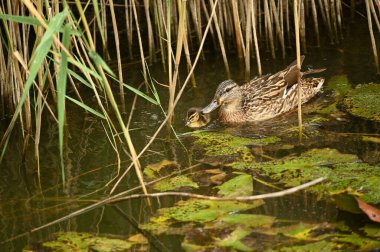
point(233, 240)
point(372, 212)
point(216, 144)
point(73, 241)
point(205, 210)
point(171, 184)
point(153, 170)
point(372, 230)
point(241, 185)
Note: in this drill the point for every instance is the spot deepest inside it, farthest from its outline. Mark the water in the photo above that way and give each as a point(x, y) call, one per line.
point(91, 162)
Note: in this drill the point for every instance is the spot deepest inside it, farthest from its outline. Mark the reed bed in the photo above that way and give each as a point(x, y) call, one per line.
point(51, 46)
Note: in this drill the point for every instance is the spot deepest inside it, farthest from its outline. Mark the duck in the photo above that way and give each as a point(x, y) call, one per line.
point(265, 97)
point(196, 119)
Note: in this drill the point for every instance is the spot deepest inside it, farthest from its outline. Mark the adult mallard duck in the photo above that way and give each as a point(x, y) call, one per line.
point(263, 98)
point(196, 119)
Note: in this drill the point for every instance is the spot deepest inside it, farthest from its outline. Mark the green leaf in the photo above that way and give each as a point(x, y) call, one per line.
point(98, 60)
point(61, 89)
point(21, 19)
point(36, 62)
point(241, 185)
point(137, 92)
point(87, 108)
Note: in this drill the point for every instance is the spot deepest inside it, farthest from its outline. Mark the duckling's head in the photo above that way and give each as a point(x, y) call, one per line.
point(227, 95)
point(196, 119)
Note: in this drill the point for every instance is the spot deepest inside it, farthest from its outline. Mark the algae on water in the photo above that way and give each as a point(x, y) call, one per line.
point(364, 102)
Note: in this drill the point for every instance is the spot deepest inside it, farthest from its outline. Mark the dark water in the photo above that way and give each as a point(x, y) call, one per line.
point(91, 161)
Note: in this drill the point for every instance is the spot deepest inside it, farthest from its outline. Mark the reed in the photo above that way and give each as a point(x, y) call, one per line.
point(62, 54)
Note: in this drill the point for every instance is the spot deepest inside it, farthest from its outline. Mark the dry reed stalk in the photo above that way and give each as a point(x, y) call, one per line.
point(269, 28)
point(194, 6)
point(247, 41)
point(152, 54)
point(180, 37)
point(302, 25)
point(142, 57)
point(103, 12)
point(207, 15)
point(221, 43)
point(117, 44)
point(339, 16)
point(238, 36)
point(129, 26)
point(275, 13)
point(161, 28)
point(315, 18)
point(325, 9)
point(170, 60)
point(256, 41)
point(374, 15)
point(334, 19)
point(298, 52)
point(287, 21)
point(373, 41)
point(188, 58)
point(110, 96)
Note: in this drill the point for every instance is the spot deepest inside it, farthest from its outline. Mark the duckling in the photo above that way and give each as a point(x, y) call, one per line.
point(196, 119)
point(263, 98)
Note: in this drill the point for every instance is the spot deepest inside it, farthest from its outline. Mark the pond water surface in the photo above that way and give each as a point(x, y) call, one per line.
point(91, 163)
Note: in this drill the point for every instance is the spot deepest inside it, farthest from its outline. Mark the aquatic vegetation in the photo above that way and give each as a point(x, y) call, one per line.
point(364, 102)
point(342, 170)
point(241, 185)
point(73, 241)
point(339, 84)
point(154, 170)
point(171, 184)
point(195, 211)
point(219, 144)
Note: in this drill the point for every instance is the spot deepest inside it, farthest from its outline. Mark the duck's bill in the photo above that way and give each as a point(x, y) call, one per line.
point(211, 107)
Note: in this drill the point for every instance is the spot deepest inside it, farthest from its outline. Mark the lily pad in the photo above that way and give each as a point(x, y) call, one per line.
point(73, 241)
point(241, 185)
point(205, 210)
point(248, 220)
point(233, 240)
point(217, 144)
point(344, 171)
point(153, 170)
point(177, 182)
point(315, 246)
point(364, 102)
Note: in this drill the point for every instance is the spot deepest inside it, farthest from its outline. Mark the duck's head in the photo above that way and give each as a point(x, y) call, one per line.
point(196, 119)
point(227, 96)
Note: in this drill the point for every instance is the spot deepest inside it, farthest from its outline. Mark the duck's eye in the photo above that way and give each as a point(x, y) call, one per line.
point(228, 89)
